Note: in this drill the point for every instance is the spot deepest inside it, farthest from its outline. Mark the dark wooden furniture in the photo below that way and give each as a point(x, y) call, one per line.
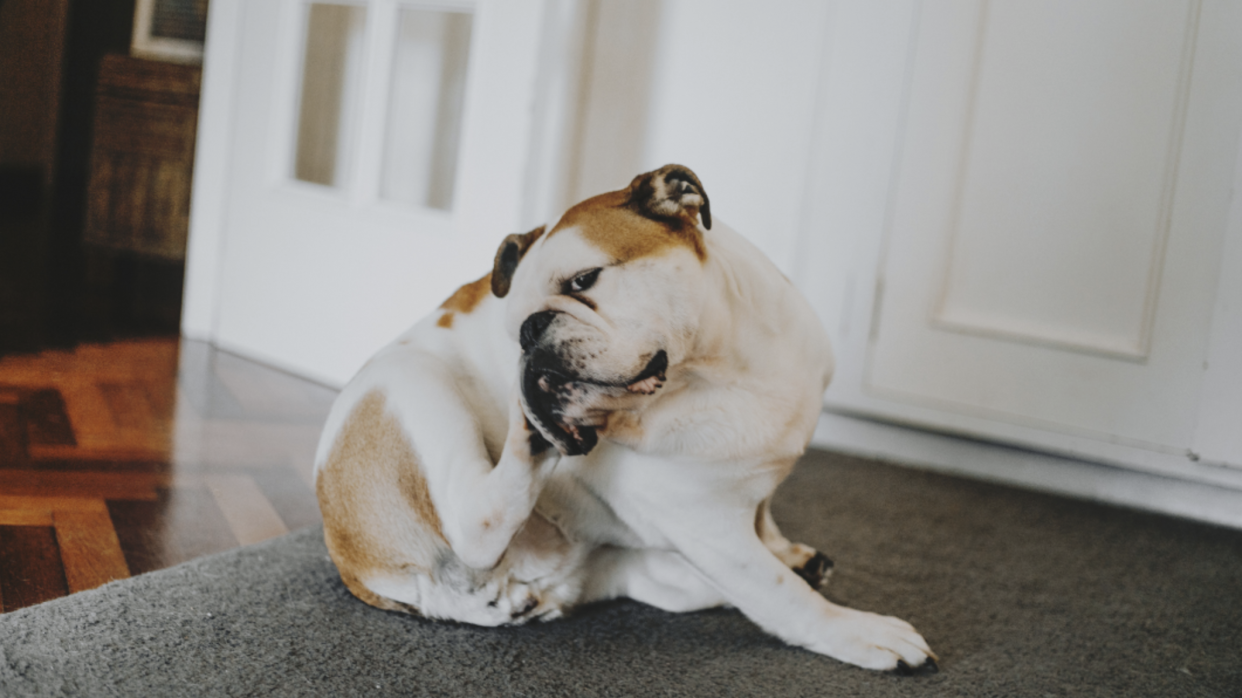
point(142, 157)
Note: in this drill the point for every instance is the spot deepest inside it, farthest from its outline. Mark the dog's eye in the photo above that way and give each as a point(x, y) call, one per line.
point(583, 281)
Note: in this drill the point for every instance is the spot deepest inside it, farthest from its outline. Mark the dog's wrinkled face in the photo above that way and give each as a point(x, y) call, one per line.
point(606, 304)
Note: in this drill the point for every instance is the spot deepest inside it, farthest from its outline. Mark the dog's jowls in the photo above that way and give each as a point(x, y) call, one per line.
point(606, 414)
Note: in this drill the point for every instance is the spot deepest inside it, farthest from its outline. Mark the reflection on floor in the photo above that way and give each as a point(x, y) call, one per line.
point(118, 459)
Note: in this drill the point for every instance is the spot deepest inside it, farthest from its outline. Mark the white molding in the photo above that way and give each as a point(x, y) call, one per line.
point(290, 49)
point(363, 181)
point(213, 149)
point(280, 363)
point(1218, 435)
point(1031, 470)
point(620, 50)
point(494, 155)
point(1086, 446)
point(564, 64)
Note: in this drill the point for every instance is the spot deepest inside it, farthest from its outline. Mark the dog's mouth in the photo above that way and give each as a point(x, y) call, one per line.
point(652, 377)
point(548, 391)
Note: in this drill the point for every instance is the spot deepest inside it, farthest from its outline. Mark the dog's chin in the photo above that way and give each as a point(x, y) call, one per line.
point(568, 439)
point(542, 407)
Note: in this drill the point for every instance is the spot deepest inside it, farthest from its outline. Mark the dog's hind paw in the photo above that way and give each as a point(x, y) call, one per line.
point(876, 642)
point(816, 570)
point(532, 602)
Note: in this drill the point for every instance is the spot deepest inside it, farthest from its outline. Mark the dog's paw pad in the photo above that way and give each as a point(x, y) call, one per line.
point(532, 602)
point(816, 570)
point(929, 666)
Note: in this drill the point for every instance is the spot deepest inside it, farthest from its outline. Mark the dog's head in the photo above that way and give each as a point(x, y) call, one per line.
point(606, 303)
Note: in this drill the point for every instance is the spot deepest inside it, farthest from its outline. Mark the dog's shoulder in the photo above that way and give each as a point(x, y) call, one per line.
point(756, 394)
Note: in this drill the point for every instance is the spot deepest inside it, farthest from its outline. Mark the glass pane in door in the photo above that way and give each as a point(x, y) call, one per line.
point(331, 87)
point(423, 125)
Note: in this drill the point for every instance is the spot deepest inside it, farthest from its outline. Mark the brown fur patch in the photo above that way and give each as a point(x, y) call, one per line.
point(373, 599)
point(446, 320)
point(467, 297)
point(610, 223)
point(374, 500)
point(760, 518)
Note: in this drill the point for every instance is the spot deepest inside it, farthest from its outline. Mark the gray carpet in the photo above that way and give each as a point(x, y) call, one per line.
point(1021, 595)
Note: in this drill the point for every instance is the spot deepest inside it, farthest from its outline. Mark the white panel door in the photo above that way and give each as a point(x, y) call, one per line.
point(1056, 223)
point(377, 152)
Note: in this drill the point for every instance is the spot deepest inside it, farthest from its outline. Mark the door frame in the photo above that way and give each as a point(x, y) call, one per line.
point(212, 157)
point(1218, 437)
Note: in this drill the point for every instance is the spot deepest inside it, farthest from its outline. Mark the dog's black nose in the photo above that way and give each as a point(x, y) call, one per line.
point(534, 327)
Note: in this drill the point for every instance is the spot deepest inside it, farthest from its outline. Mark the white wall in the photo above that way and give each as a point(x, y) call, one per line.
point(1218, 438)
point(789, 112)
point(734, 99)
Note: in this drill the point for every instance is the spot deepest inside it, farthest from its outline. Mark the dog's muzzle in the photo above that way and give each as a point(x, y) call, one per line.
point(546, 394)
point(551, 388)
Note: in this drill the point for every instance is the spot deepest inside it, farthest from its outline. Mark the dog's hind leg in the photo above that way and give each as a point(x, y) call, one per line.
point(807, 562)
point(660, 578)
point(719, 542)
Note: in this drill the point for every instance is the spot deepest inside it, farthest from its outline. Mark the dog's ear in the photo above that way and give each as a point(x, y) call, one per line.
point(507, 257)
point(672, 192)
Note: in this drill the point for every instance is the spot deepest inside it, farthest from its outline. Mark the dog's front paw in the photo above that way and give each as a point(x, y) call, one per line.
point(535, 440)
point(873, 641)
point(523, 434)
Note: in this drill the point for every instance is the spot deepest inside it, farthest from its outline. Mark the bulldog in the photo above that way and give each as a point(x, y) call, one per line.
point(606, 414)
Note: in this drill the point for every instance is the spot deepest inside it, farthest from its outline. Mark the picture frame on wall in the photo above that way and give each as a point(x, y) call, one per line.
point(170, 30)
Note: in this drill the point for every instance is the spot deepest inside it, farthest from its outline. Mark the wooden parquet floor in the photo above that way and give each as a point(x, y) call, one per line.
point(118, 459)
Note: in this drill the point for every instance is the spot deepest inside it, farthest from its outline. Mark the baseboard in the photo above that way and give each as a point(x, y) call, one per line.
point(1037, 471)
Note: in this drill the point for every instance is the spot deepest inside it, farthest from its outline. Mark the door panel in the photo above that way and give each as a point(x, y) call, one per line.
point(1057, 219)
point(1074, 116)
